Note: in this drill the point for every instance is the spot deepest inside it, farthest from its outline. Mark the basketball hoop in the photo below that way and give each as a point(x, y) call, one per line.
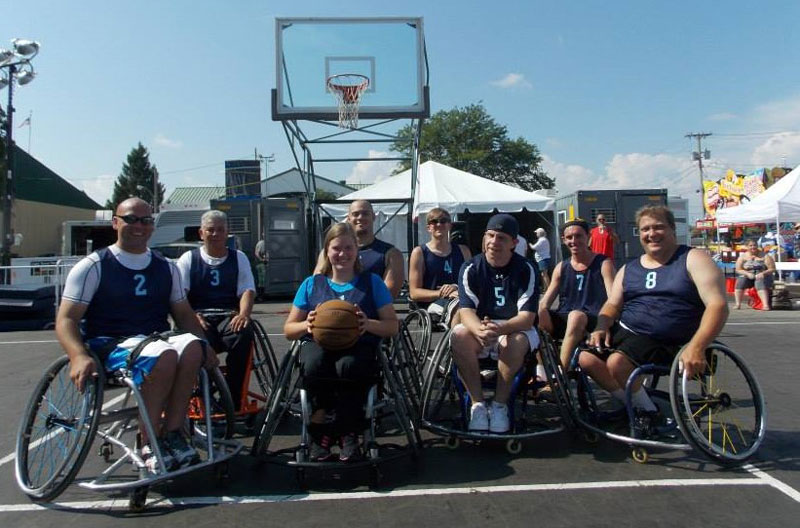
point(348, 88)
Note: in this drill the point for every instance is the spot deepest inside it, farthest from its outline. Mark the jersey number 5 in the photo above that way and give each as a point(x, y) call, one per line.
point(500, 299)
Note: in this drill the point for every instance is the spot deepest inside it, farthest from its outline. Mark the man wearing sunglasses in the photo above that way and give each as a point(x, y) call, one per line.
point(112, 300)
point(433, 268)
point(376, 256)
point(219, 278)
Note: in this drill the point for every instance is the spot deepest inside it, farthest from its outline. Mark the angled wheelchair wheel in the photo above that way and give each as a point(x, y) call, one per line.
point(555, 377)
point(278, 403)
point(265, 365)
point(416, 332)
point(404, 366)
point(401, 405)
point(223, 415)
point(720, 412)
point(439, 399)
point(57, 431)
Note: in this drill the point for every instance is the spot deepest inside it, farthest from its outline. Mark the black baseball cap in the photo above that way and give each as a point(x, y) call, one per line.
point(505, 223)
point(583, 224)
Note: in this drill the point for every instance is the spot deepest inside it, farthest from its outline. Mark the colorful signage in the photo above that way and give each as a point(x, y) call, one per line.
point(732, 190)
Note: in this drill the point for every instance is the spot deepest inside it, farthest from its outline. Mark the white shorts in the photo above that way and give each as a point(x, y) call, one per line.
point(493, 349)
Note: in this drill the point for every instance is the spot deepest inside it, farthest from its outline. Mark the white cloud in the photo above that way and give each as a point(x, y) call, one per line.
point(779, 149)
point(371, 171)
point(512, 80)
point(163, 141)
point(99, 188)
point(722, 116)
point(778, 115)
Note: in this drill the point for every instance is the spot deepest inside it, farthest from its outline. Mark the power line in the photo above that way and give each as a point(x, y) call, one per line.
point(700, 153)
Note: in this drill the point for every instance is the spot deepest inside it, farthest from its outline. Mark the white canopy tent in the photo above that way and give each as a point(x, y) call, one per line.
point(437, 186)
point(779, 203)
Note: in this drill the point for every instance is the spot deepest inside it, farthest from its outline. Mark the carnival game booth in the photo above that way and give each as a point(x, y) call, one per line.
point(470, 199)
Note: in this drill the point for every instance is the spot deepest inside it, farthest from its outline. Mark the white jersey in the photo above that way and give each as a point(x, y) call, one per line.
point(244, 281)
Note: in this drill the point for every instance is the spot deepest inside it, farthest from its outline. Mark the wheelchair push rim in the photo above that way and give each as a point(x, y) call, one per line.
point(720, 412)
point(60, 422)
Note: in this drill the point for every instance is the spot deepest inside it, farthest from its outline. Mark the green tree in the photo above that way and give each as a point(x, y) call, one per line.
point(469, 139)
point(136, 179)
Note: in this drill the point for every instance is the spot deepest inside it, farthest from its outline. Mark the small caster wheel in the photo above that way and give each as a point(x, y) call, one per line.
point(640, 455)
point(514, 447)
point(301, 455)
point(222, 472)
point(138, 499)
point(452, 442)
point(106, 450)
point(374, 453)
point(590, 437)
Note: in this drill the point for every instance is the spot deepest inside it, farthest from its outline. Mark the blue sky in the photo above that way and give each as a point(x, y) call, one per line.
point(607, 90)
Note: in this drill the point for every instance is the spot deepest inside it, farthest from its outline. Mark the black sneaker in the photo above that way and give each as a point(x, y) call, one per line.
point(350, 450)
point(647, 424)
point(321, 450)
point(185, 455)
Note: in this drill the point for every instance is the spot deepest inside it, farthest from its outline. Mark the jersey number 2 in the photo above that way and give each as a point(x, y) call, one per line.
point(139, 290)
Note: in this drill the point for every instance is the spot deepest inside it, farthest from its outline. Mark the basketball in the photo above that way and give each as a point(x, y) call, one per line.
point(336, 325)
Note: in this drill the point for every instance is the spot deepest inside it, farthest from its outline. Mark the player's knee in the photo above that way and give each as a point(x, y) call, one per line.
point(576, 321)
point(588, 361)
point(618, 363)
point(192, 355)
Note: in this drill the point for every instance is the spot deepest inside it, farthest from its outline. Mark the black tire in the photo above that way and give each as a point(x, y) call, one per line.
point(416, 332)
point(223, 414)
point(404, 365)
point(720, 412)
point(57, 431)
point(277, 404)
point(556, 378)
point(265, 365)
point(407, 421)
point(437, 383)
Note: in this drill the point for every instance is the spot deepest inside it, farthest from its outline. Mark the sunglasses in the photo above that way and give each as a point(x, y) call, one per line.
point(132, 219)
point(440, 221)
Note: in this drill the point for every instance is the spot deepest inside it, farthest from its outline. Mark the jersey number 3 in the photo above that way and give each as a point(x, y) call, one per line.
point(215, 277)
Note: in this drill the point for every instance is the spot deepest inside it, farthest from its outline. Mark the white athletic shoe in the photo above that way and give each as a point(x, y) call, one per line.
point(498, 418)
point(479, 417)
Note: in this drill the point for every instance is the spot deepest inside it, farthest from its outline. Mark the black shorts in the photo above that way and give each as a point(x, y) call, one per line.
point(640, 349)
point(560, 323)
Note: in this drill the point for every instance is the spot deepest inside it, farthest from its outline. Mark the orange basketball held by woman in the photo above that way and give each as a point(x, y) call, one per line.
point(335, 326)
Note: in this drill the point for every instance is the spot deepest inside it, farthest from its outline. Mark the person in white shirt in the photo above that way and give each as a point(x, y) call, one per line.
point(541, 249)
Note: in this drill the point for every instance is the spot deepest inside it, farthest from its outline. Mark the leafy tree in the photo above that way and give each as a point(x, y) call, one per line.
point(469, 139)
point(136, 179)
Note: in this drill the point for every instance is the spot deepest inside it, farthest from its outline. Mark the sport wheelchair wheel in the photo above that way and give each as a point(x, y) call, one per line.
point(57, 431)
point(720, 412)
point(437, 383)
point(265, 366)
point(278, 403)
point(223, 416)
point(415, 330)
point(556, 380)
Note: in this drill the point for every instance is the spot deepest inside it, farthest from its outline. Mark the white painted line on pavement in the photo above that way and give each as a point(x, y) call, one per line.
point(27, 342)
point(758, 323)
point(8, 458)
point(772, 481)
point(367, 495)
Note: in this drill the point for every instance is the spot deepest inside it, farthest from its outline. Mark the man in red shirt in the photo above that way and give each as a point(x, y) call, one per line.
point(602, 238)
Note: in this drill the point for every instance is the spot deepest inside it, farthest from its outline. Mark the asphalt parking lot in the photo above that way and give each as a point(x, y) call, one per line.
point(558, 480)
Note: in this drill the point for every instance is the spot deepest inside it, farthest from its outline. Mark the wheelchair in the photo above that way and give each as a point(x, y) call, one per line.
point(719, 413)
point(418, 327)
point(60, 426)
point(388, 413)
point(262, 366)
point(446, 403)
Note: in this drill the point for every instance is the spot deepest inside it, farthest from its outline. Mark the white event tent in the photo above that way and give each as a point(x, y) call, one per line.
point(779, 203)
point(437, 186)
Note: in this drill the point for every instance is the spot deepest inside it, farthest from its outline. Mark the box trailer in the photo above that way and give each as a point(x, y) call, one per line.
point(81, 237)
point(619, 209)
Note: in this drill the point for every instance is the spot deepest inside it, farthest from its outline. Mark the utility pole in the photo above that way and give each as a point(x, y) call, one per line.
point(700, 154)
point(155, 190)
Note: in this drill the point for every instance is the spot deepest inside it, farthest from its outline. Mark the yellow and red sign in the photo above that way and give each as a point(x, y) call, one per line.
point(732, 190)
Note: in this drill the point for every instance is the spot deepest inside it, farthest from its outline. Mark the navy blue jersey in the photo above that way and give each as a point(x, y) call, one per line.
point(361, 295)
point(662, 303)
point(441, 270)
point(498, 293)
point(373, 257)
point(214, 286)
point(129, 302)
point(582, 290)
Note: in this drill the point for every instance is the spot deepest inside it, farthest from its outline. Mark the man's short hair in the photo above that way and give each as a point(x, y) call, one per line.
point(583, 224)
point(214, 216)
point(661, 212)
point(504, 223)
point(360, 200)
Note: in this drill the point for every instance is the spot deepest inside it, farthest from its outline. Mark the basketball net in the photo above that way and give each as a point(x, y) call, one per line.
point(347, 89)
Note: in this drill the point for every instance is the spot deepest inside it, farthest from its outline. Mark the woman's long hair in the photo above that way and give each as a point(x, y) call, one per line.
point(340, 229)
